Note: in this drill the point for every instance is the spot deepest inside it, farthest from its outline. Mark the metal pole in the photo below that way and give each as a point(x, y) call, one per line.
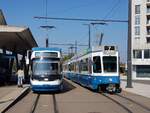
point(89, 40)
point(75, 47)
point(89, 35)
point(46, 42)
point(129, 52)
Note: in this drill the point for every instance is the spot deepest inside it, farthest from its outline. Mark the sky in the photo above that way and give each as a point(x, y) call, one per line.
point(22, 13)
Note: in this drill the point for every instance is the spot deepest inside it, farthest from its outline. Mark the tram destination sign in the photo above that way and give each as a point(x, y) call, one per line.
point(46, 54)
point(109, 50)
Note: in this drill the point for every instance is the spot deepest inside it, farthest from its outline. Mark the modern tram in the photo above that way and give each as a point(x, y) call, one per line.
point(45, 67)
point(97, 69)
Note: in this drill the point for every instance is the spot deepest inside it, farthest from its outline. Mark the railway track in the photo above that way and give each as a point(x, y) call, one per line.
point(118, 103)
point(55, 104)
point(35, 104)
point(127, 104)
point(37, 101)
point(81, 100)
point(135, 102)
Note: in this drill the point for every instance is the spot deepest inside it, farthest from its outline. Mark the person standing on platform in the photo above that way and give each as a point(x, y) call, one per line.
point(20, 74)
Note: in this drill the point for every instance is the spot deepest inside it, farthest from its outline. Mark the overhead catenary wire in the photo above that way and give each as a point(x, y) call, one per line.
point(112, 9)
point(81, 19)
point(67, 44)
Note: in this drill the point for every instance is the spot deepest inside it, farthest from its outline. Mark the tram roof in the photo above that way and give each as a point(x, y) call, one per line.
point(16, 39)
point(43, 49)
point(96, 49)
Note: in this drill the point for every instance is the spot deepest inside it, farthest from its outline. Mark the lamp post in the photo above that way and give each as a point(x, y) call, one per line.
point(129, 55)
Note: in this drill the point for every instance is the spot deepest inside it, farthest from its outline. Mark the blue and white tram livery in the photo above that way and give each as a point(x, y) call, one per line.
point(45, 69)
point(97, 69)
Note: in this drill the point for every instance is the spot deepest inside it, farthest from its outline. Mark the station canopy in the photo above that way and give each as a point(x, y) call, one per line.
point(16, 39)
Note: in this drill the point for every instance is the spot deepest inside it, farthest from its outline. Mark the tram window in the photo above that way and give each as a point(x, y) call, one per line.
point(84, 66)
point(97, 64)
point(74, 66)
point(110, 64)
point(71, 67)
point(79, 66)
point(89, 65)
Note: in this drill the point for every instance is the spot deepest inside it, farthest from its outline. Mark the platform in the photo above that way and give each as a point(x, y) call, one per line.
point(138, 87)
point(10, 94)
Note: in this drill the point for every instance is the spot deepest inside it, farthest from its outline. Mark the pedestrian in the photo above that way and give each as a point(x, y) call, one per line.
point(20, 74)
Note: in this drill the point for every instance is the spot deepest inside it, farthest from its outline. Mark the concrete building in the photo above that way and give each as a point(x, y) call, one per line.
point(140, 35)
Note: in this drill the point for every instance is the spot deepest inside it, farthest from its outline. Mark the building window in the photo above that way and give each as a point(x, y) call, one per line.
point(148, 39)
point(137, 30)
point(137, 9)
point(148, 9)
point(148, 19)
point(143, 71)
point(137, 53)
point(147, 53)
point(137, 19)
point(148, 30)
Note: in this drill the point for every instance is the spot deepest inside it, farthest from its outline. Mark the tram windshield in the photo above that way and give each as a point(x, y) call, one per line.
point(110, 63)
point(45, 68)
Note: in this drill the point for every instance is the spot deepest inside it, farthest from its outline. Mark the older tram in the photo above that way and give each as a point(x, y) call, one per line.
point(97, 69)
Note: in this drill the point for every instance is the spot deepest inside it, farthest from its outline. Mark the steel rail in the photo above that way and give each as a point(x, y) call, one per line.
point(35, 104)
point(118, 103)
point(137, 103)
point(55, 104)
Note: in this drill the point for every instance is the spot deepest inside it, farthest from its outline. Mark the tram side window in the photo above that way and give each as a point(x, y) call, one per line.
point(77, 66)
point(89, 65)
point(71, 67)
point(84, 66)
point(74, 65)
point(97, 64)
point(65, 67)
